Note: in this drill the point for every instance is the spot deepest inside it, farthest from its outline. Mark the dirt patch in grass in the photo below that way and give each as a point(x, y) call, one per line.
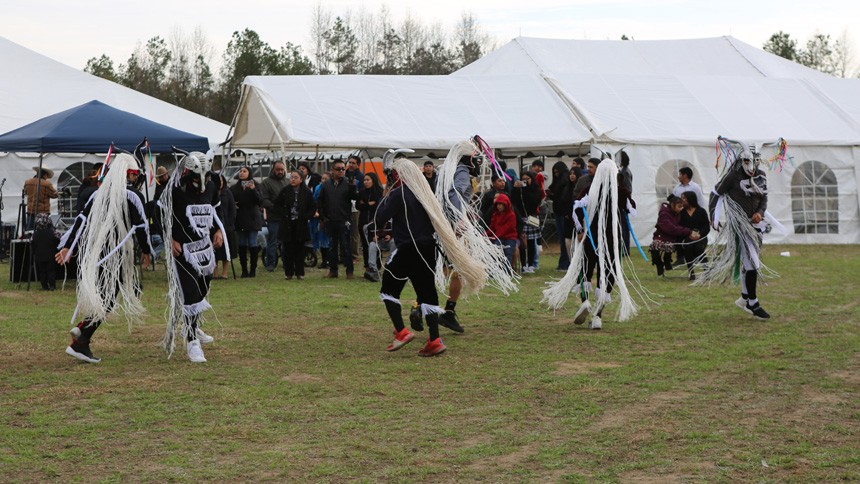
point(639, 411)
point(570, 368)
point(302, 378)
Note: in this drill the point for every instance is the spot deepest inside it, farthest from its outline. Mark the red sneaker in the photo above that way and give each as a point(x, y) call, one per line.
point(400, 340)
point(433, 348)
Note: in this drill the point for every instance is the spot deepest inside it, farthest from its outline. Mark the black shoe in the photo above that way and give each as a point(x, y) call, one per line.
point(757, 311)
point(449, 320)
point(692, 277)
point(416, 318)
point(82, 352)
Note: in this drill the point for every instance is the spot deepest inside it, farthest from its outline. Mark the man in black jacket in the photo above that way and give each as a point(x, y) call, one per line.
point(335, 208)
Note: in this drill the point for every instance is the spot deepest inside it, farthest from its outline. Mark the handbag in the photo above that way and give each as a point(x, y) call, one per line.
point(532, 221)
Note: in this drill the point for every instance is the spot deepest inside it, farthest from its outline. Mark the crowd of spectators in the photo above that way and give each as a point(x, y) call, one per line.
point(329, 217)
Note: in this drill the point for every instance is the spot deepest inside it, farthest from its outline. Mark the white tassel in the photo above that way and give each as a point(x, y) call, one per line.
point(105, 233)
point(471, 230)
point(431, 309)
point(722, 254)
point(472, 271)
point(603, 203)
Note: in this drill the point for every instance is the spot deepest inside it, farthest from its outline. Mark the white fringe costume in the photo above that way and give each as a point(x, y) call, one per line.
point(472, 270)
point(601, 202)
point(107, 279)
point(189, 275)
point(736, 246)
point(471, 229)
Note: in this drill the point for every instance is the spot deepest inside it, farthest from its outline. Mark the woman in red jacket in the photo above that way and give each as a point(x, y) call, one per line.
point(669, 231)
point(503, 226)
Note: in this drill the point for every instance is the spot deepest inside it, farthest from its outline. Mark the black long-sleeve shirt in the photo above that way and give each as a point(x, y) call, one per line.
point(737, 185)
point(409, 220)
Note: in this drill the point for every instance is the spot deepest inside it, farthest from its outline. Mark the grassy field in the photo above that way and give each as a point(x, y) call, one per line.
point(298, 387)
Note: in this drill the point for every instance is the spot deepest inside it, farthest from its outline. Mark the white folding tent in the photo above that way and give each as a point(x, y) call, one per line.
point(37, 86)
point(668, 100)
point(428, 113)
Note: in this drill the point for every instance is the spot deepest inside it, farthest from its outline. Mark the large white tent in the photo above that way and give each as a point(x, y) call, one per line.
point(428, 113)
point(665, 101)
point(36, 86)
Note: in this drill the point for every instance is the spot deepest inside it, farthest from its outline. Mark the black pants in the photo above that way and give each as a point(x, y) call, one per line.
point(693, 251)
point(413, 263)
point(591, 264)
point(663, 260)
point(47, 274)
point(294, 258)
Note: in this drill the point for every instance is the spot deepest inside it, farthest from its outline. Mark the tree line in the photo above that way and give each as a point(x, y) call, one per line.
point(823, 53)
point(179, 69)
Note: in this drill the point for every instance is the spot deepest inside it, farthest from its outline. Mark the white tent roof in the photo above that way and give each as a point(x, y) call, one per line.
point(682, 92)
point(36, 86)
point(419, 112)
point(693, 110)
point(718, 56)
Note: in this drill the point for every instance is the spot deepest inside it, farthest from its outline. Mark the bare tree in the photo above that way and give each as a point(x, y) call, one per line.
point(321, 24)
point(471, 39)
point(844, 64)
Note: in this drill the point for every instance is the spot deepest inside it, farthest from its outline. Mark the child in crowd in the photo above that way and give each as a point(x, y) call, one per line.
point(503, 226)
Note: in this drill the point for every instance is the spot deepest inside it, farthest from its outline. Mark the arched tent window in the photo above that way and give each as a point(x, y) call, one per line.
point(814, 199)
point(69, 183)
point(667, 178)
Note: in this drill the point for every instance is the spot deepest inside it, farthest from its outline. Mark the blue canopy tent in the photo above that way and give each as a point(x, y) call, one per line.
point(92, 128)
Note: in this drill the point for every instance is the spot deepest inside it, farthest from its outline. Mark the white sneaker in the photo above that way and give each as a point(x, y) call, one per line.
point(529, 269)
point(742, 303)
point(595, 323)
point(203, 337)
point(582, 312)
point(195, 352)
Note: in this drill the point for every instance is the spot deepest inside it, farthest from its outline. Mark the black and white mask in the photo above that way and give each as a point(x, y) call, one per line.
point(197, 170)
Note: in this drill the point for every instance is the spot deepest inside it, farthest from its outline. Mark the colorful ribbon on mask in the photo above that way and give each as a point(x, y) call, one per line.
point(104, 167)
point(488, 152)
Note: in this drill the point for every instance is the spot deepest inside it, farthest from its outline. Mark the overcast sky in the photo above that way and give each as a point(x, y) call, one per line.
point(74, 31)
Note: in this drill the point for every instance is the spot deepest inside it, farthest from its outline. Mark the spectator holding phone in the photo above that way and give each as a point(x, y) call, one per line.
point(249, 219)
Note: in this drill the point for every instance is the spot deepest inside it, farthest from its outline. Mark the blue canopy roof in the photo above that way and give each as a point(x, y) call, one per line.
point(92, 128)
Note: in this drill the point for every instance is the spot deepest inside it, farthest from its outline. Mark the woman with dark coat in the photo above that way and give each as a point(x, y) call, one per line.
point(249, 219)
point(44, 247)
point(564, 206)
point(527, 197)
point(555, 191)
point(669, 231)
point(694, 218)
point(297, 206)
point(368, 198)
point(227, 214)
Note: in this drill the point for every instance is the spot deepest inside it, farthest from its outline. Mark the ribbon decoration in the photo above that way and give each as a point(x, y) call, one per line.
point(778, 161)
point(103, 170)
point(627, 216)
point(488, 152)
point(151, 164)
point(588, 229)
